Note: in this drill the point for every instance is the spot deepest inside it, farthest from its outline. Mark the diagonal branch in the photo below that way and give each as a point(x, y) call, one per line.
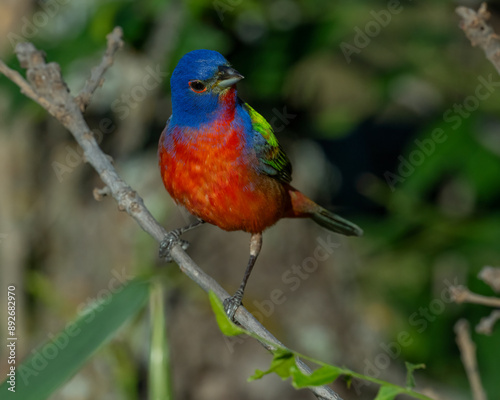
point(47, 87)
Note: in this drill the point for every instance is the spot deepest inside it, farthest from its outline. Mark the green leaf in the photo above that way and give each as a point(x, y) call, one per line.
point(282, 364)
point(410, 380)
point(322, 376)
point(227, 327)
point(388, 392)
point(59, 359)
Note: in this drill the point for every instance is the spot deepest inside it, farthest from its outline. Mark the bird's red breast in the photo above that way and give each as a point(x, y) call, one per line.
point(210, 171)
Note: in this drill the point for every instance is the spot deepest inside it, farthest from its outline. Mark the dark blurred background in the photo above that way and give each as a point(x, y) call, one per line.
point(389, 116)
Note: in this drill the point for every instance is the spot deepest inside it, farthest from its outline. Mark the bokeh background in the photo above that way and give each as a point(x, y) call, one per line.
point(387, 128)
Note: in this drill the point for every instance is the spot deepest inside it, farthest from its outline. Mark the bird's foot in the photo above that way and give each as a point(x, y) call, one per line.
point(231, 304)
point(169, 241)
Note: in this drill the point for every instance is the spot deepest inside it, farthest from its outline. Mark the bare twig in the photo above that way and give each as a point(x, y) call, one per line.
point(49, 90)
point(486, 324)
point(96, 80)
point(460, 294)
point(491, 276)
point(468, 355)
point(480, 33)
point(100, 194)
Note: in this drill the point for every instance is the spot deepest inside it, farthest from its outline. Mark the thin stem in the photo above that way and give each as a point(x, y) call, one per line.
point(160, 382)
point(461, 294)
point(469, 360)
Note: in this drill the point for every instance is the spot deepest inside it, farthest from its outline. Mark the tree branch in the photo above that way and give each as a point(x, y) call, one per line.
point(480, 33)
point(468, 355)
point(96, 80)
point(47, 87)
point(460, 294)
point(26, 89)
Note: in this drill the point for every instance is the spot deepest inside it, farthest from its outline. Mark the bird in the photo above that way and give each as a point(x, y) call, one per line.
point(220, 159)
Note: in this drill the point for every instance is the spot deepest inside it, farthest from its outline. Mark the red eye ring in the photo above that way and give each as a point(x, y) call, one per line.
point(197, 86)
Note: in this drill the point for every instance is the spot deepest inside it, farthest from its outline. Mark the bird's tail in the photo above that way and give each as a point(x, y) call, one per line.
point(303, 207)
point(335, 223)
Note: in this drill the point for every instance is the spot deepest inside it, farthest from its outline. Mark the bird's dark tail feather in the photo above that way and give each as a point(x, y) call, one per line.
point(335, 223)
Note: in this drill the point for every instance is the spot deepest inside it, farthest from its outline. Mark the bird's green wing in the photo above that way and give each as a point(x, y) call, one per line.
point(272, 159)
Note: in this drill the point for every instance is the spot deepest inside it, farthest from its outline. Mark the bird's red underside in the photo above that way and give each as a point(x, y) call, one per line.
point(212, 175)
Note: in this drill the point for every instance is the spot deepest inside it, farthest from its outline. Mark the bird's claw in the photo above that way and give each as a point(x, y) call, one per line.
point(169, 241)
point(231, 304)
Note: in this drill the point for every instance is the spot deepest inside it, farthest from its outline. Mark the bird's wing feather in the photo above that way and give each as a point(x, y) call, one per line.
point(272, 159)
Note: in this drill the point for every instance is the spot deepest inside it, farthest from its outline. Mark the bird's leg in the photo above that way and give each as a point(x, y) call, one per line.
point(174, 237)
point(232, 303)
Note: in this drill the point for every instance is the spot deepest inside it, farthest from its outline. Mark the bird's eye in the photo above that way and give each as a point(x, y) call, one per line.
point(197, 86)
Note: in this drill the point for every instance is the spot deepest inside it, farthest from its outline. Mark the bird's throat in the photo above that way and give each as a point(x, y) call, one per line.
point(227, 102)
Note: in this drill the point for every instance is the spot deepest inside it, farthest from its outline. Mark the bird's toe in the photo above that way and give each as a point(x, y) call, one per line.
point(231, 304)
point(169, 241)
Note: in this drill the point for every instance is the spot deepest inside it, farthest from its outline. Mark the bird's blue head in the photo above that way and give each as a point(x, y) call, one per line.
point(200, 82)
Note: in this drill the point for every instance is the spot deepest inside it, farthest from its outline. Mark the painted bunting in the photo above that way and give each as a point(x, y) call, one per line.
point(220, 159)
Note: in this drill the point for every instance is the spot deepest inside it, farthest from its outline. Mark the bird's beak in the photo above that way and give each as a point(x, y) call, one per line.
point(227, 77)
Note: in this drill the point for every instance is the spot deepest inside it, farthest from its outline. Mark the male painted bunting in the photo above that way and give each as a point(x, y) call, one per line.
point(219, 158)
